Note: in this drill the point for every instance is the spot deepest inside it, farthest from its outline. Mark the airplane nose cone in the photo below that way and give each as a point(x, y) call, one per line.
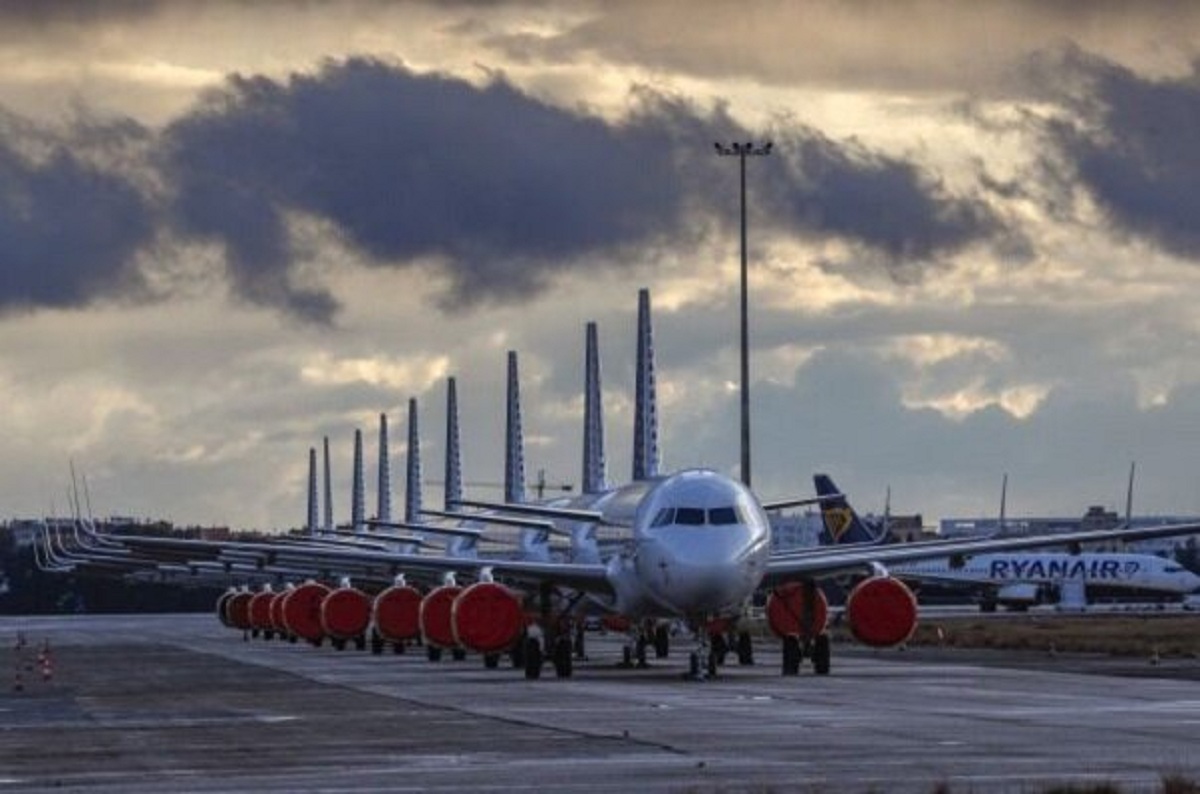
point(702, 576)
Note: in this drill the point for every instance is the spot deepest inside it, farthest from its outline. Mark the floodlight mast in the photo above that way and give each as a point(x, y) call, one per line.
point(742, 151)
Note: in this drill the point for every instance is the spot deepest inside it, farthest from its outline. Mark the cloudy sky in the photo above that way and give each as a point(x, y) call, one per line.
point(227, 229)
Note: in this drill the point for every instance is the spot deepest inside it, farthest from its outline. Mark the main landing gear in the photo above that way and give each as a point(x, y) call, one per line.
point(818, 650)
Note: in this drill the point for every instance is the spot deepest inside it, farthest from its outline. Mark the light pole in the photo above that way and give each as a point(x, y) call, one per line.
point(742, 151)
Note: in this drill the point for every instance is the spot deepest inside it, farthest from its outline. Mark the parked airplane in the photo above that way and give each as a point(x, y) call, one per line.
point(1019, 580)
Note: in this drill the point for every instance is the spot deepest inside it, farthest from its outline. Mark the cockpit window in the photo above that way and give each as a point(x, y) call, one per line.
point(723, 515)
point(665, 517)
point(691, 516)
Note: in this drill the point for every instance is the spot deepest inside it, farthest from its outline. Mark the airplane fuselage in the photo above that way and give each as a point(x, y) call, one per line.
point(1134, 571)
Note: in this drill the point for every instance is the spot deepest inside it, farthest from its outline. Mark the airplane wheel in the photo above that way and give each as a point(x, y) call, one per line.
point(562, 657)
point(458, 654)
point(713, 662)
point(518, 652)
point(720, 649)
point(791, 655)
point(822, 655)
point(580, 646)
point(360, 642)
point(376, 643)
point(268, 635)
point(641, 652)
point(693, 665)
point(398, 647)
point(662, 642)
point(491, 660)
point(292, 638)
point(254, 633)
point(339, 644)
point(533, 658)
point(433, 653)
point(745, 649)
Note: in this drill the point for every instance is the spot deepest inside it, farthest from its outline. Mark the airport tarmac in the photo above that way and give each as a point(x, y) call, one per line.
point(176, 702)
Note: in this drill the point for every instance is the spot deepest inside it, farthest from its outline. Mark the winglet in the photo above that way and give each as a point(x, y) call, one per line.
point(453, 484)
point(328, 524)
point(311, 525)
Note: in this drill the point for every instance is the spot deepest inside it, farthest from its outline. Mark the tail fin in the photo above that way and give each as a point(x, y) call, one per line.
point(412, 480)
point(312, 491)
point(842, 524)
point(383, 510)
point(593, 417)
point(514, 438)
point(645, 409)
point(358, 494)
point(453, 485)
point(328, 491)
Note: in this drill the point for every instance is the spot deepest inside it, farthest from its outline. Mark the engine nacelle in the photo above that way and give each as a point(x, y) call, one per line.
point(237, 608)
point(790, 611)
point(345, 613)
point(881, 612)
point(436, 616)
point(260, 611)
point(302, 611)
point(397, 613)
point(223, 607)
point(277, 612)
point(487, 618)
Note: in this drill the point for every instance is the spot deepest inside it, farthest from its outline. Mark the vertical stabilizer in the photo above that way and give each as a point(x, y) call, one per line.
point(328, 490)
point(311, 524)
point(645, 409)
point(384, 505)
point(453, 473)
point(1128, 496)
point(412, 479)
point(1003, 500)
point(514, 439)
point(357, 494)
point(841, 523)
point(594, 475)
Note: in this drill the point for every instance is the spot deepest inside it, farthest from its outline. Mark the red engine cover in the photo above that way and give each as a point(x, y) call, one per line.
point(618, 623)
point(277, 612)
point(487, 618)
point(397, 613)
point(260, 611)
point(223, 608)
point(345, 613)
point(435, 616)
point(881, 611)
point(302, 611)
point(238, 610)
point(786, 607)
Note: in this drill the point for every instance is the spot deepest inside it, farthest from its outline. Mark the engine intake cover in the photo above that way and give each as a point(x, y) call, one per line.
point(302, 611)
point(487, 618)
point(345, 613)
point(435, 616)
point(791, 611)
point(397, 613)
point(881, 611)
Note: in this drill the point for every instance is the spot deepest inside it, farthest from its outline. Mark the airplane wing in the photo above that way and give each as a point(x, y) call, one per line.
point(781, 568)
point(780, 504)
point(538, 511)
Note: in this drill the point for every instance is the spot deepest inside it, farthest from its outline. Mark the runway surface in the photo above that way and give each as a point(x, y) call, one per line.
point(155, 703)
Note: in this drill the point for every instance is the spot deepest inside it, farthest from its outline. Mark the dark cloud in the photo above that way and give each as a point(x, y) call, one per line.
point(501, 190)
point(69, 230)
point(1132, 145)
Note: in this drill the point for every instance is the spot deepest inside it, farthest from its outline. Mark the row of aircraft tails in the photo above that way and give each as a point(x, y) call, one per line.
point(519, 578)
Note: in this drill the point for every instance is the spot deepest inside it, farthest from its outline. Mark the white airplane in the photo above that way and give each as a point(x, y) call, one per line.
point(1018, 581)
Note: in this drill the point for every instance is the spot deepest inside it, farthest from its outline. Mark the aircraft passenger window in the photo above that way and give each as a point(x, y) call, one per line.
point(665, 517)
point(723, 515)
point(692, 516)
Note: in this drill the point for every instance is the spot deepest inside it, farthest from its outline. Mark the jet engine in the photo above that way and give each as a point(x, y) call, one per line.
point(797, 609)
point(881, 611)
point(487, 618)
point(345, 613)
point(223, 607)
point(397, 613)
point(435, 616)
point(260, 611)
point(302, 611)
point(237, 608)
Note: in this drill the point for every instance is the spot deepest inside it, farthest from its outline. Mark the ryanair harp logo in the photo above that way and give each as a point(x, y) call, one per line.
point(837, 521)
